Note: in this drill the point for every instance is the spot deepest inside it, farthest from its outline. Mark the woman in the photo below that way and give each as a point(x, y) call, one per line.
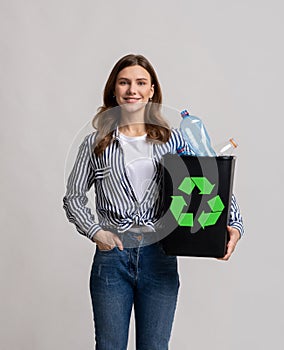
point(121, 159)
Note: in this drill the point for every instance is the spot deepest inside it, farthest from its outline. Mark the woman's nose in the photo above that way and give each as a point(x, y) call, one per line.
point(132, 89)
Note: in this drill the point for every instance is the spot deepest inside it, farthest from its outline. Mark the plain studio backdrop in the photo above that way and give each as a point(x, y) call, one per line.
point(222, 60)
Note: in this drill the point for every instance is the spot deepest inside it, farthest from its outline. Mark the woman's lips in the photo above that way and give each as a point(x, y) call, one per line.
point(131, 99)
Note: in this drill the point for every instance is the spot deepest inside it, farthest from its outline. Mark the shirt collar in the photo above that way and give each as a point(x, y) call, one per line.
point(116, 133)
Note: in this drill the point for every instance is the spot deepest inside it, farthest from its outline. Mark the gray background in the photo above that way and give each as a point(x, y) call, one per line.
point(221, 59)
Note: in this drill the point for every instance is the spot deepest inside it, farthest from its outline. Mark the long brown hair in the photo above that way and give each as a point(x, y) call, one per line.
point(106, 119)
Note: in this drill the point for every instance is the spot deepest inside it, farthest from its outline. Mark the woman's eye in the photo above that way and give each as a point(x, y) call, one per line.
point(122, 83)
point(141, 83)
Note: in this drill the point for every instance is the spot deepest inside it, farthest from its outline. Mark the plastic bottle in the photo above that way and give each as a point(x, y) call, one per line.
point(226, 148)
point(195, 134)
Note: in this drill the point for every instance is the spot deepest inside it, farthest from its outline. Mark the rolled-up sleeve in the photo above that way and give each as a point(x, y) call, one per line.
point(79, 183)
point(236, 219)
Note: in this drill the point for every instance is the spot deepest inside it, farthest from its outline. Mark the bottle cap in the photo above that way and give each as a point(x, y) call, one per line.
point(184, 113)
point(233, 142)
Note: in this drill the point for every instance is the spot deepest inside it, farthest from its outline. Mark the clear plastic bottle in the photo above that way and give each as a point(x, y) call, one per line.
point(226, 148)
point(195, 134)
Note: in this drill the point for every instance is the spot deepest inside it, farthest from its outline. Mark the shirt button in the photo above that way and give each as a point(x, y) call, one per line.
point(139, 237)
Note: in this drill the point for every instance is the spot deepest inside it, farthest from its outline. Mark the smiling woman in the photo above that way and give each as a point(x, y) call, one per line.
point(133, 90)
point(132, 87)
point(121, 160)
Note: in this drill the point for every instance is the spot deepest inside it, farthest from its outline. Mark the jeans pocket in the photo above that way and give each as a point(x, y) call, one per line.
point(106, 267)
point(106, 250)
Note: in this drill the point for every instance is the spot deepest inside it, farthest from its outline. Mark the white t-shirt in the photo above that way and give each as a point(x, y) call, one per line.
point(138, 162)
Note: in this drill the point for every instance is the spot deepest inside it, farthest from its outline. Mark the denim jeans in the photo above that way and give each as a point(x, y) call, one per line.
point(143, 277)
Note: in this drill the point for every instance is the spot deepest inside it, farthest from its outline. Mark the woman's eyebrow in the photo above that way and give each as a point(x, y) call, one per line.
point(129, 79)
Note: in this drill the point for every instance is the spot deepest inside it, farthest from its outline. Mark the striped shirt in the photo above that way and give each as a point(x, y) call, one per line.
point(116, 204)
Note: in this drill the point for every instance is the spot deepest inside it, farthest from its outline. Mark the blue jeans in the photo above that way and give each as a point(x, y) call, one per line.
point(144, 277)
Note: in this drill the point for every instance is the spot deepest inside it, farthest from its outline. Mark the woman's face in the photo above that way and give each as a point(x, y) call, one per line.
point(133, 87)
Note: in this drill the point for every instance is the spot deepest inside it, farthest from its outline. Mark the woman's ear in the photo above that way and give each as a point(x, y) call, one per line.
point(152, 90)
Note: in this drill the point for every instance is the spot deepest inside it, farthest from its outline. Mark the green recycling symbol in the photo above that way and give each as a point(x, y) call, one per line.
point(205, 187)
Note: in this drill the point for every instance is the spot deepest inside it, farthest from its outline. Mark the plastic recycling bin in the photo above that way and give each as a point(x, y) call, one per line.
point(196, 195)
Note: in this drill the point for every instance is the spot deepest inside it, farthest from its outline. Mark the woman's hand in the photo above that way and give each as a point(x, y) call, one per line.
point(234, 238)
point(107, 240)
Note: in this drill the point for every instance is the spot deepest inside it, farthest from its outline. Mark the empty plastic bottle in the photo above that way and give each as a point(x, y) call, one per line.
point(195, 134)
point(226, 148)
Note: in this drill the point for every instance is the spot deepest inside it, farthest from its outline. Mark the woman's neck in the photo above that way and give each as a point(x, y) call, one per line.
point(132, 124)
point(137, 129)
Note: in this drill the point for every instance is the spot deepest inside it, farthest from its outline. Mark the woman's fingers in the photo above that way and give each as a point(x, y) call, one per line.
point(234, 238)
point(118, 242)
point(107, 240)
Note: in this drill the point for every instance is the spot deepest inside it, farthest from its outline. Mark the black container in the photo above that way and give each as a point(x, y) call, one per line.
point(205, 185)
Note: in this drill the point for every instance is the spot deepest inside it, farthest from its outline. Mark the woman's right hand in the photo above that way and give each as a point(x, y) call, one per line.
point(107, 240)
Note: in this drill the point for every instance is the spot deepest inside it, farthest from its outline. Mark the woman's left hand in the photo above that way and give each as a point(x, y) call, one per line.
point(234, 238)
